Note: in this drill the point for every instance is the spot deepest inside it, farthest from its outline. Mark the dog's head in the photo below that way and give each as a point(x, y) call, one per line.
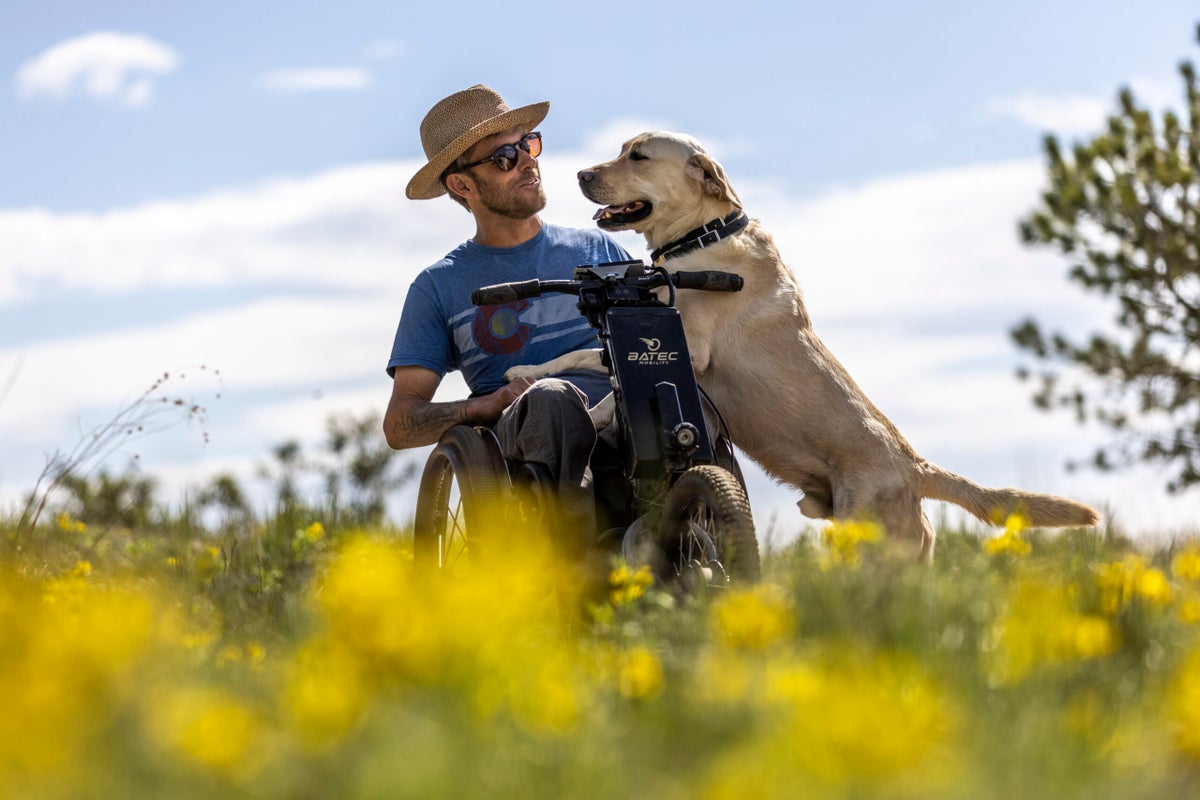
point(662, 185)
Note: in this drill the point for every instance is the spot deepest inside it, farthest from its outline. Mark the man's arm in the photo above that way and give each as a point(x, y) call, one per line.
point(413, 420)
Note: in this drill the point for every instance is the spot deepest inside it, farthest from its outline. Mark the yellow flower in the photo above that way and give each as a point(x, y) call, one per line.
point(1041, 626)
point(842, 540)
point(641, 674)
point(324, 694)
point(1007, 544)
point(753, 619)
point(842, 724)
point(1121, 582)
point(1015, 523)
point(1010, 542)
point(68, 525)
point(1153, 585)
point(1186, 564)
point(628, 585)
point(208, 726)
point(1092, 636)
point(71, 657)
point(315, 532)
point(1189, 608)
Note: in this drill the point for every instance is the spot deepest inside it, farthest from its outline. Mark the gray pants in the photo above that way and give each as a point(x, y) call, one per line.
point(549, 425)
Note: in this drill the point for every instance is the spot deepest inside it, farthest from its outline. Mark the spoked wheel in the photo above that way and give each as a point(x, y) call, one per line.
point(706, 533)
point(461, 502)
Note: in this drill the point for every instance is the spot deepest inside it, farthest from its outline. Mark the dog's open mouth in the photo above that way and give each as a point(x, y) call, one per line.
point(614, 217)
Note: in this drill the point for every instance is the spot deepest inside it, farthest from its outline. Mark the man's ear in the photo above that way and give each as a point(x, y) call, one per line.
point(458, 184)
point(702, 167)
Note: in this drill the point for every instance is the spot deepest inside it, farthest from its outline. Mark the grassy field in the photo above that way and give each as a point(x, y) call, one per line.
point(292, 658)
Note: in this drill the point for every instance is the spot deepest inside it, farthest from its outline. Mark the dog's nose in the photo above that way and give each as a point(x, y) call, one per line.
point(586, 176)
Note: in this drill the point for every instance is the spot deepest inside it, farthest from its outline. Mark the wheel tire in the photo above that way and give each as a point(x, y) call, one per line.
point(460, 503)
point(706, 532)
point(535, 502)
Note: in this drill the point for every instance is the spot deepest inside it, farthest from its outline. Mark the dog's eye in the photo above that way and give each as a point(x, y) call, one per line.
point(634, 155)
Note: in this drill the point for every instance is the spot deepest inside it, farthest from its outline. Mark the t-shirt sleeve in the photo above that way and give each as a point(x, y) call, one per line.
point(616, 252)
point(422, 338)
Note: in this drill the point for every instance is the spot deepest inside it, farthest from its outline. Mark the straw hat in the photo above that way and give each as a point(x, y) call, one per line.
point(455, 124)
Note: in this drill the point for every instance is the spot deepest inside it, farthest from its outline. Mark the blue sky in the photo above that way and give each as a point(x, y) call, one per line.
point(222, 183)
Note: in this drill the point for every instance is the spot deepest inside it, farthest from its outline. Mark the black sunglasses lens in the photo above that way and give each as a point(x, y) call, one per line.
point(532, 144)
point(505, 157)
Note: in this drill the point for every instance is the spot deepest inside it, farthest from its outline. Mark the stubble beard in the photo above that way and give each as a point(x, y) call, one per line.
point(510, 203)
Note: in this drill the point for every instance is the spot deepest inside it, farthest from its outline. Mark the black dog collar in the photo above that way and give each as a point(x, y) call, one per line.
point(706, 236)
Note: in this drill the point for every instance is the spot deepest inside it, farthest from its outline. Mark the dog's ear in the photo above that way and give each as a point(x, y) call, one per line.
point(703, 168)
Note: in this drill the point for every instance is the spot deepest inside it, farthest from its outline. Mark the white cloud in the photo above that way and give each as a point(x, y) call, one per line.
point(1063, 115)
point(317, 79)
point(1072, 115)
point(115, 67)
point(297, 231)
point(1158, 96)
point(912, 280)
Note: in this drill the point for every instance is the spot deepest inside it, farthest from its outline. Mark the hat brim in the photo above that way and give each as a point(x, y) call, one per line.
point(427, 184)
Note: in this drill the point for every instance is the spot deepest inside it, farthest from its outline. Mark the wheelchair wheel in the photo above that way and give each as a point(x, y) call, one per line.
point(706, 532)
point(535, 507)
point(461, 501)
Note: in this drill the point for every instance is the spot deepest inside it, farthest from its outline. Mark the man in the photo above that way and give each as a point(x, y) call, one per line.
point(484, 155)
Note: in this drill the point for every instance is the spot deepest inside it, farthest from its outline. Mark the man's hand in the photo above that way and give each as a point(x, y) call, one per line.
point(492, 405)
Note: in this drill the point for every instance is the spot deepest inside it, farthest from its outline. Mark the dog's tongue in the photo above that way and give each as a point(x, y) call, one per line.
point(609, 211)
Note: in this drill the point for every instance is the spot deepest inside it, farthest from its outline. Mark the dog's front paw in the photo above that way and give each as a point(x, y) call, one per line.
point(524, 371)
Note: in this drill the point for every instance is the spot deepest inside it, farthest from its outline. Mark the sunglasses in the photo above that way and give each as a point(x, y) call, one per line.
point(506, 155)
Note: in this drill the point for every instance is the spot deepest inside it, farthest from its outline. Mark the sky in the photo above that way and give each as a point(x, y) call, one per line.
point(221, 185)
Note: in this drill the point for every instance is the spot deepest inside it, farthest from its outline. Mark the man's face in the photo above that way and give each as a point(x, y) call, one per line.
point(517, 193)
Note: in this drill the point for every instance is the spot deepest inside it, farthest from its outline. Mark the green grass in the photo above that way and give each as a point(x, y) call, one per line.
point(293, 657)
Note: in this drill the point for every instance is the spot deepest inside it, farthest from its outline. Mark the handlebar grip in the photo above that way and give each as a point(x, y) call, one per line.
point(506, 292)
point(709, 280)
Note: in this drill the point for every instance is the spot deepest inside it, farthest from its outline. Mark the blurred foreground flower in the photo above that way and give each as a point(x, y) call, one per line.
point(70, 656)
point(844, 721)
point(628, 585)
point(754, 618)
point(641, 674)
point(493, 636)
point(1010, 542)
point(1186, 564)
point(1131, 579)
point(1041, 626)
point(67, 524)
point(208, 726)
point(843, 539)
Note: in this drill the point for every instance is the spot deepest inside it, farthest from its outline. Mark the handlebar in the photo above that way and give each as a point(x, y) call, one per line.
point(706, 280)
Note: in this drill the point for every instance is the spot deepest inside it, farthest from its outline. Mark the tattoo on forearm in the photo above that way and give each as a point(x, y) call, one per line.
point(427, 421)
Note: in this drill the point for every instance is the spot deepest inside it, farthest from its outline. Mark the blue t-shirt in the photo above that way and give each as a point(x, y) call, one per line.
point(442, 331)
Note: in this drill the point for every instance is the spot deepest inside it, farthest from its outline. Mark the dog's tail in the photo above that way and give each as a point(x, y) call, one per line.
point(994, 505)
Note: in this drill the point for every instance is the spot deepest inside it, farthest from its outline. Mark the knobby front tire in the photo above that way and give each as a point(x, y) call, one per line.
point(706, 533)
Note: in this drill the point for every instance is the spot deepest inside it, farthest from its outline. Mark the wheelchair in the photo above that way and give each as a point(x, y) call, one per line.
point(670, 496)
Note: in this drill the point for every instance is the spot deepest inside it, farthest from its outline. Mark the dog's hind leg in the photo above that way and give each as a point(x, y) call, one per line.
point(898, 510)
point(906, 524)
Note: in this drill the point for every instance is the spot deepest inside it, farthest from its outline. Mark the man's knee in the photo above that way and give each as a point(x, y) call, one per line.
point(554, 395)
